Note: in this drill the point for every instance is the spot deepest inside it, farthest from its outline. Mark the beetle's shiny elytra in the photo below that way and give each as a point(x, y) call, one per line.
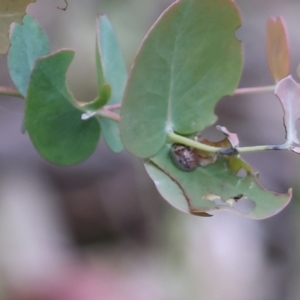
point(184, 157)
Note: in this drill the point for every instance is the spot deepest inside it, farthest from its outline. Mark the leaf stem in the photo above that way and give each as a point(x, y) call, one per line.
point(6, 91)
point(108, 114)
point(112, 106)
point(241, 91)
point(188, 142)
point(254, 90)
point(284, 146)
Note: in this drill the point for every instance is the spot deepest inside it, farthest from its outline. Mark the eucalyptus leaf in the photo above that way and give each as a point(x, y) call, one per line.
point(189, 59)
point(111, 133)
point(210, 188)
point(288, 92)
point(53, 122)
point(28, 42)
point(10, 11)
point(111, 69)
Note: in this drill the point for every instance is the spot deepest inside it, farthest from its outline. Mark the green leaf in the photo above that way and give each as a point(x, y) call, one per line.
point(111, 69)
point(214, 187)
point(277, 49)
point(99, 67)
point(101, 100)
point(10, 11)
point(189, 60)
point(28, 42)
point(53, 122)
point(111, 134)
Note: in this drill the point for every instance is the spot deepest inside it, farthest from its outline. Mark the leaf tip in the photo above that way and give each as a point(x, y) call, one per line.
point(277, 48)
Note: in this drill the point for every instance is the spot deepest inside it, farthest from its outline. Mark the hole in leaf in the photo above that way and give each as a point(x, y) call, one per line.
point(241, 173)
point(239, 34)
point(64, 8)
point(211, 133)
point(238, 202)
point(243, 205)
point(219, 202)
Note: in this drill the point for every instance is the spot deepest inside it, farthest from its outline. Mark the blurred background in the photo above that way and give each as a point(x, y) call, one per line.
point(100, 230)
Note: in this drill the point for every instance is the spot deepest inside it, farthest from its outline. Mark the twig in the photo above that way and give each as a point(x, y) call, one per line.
point(6, 91)
point(254, 90)
point(224, 151)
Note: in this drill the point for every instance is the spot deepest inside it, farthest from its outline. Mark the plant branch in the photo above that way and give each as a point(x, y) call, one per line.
point(105, 112)
point(241, 91)
point(224, 151)
point(284, 146)
point(112, 106)
point(254, 90)
point(6, 91)
point(188, 142)
point(108, 114)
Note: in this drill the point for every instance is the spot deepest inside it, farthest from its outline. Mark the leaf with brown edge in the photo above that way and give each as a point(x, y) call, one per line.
point(214, 187)
point(277, 49)
point(288, 93)
point(10, 11)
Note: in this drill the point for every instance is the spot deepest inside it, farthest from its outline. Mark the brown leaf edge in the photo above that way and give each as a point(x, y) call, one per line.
point(203, 212)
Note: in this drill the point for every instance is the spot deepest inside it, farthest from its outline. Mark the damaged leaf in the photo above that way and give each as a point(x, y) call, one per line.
point(229, 143)
point(236, 164)
point(288, 93)
point(231, 137)
point(10, 11)
point(187, 62)
point(211, 188)
point(277, 49)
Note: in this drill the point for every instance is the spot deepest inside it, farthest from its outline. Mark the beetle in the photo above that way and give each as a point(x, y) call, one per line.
point(184, 157)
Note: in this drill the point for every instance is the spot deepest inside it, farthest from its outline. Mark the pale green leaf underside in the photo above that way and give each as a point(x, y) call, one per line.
point(28, 42)
point(188, 191)
point(111, 69)
point(111, 134)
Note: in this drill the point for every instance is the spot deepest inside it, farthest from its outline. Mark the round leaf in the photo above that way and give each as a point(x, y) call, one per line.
point(53, 122)
point(189, 60)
